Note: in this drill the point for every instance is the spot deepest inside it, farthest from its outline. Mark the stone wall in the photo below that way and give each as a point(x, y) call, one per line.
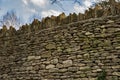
point(76, 51)
point(100, 10)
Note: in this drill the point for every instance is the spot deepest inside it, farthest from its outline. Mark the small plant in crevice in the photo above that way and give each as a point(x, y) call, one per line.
point(102, 75)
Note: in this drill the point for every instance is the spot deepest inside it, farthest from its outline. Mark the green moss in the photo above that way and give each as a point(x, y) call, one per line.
point(102, 75)
point(82, 75)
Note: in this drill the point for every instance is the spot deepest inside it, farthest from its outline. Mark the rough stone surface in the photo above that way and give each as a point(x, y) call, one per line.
point(50, 66)
point(54, 61)
point(76, 51)
point(50, 46)
point(67, 63)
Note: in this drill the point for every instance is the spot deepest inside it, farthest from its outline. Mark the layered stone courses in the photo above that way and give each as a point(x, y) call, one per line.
point(75, 51)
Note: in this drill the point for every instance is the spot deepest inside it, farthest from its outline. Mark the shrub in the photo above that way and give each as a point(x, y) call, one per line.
point(102, 75)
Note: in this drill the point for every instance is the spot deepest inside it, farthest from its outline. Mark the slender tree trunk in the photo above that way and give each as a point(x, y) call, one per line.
point(112, 6)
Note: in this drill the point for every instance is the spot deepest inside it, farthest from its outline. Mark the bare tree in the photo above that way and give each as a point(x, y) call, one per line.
point(112, 6)
point(58, 1)
point(10, 19)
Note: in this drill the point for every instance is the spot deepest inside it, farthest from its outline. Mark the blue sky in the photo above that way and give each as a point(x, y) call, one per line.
point(26, 10)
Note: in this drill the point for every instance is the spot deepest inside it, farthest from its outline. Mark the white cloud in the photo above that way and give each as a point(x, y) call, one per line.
point(41, 3)
point(87, 3)
point(27, 8)
point(79, 8)
point(32, 10)
point(49, 13)
point(25, 2)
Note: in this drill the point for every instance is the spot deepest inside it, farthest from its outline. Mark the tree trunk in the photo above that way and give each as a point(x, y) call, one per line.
point(112, 6)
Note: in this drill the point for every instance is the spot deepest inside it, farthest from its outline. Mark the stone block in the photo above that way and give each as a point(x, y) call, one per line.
point(67, 63)
point(54, 61)
point(51, 46)
point(50, 66)
point(31, 57)
point(46, 54)
point(85, 68)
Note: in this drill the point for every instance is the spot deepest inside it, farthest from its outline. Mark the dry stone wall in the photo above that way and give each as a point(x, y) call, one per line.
point(76, 51)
